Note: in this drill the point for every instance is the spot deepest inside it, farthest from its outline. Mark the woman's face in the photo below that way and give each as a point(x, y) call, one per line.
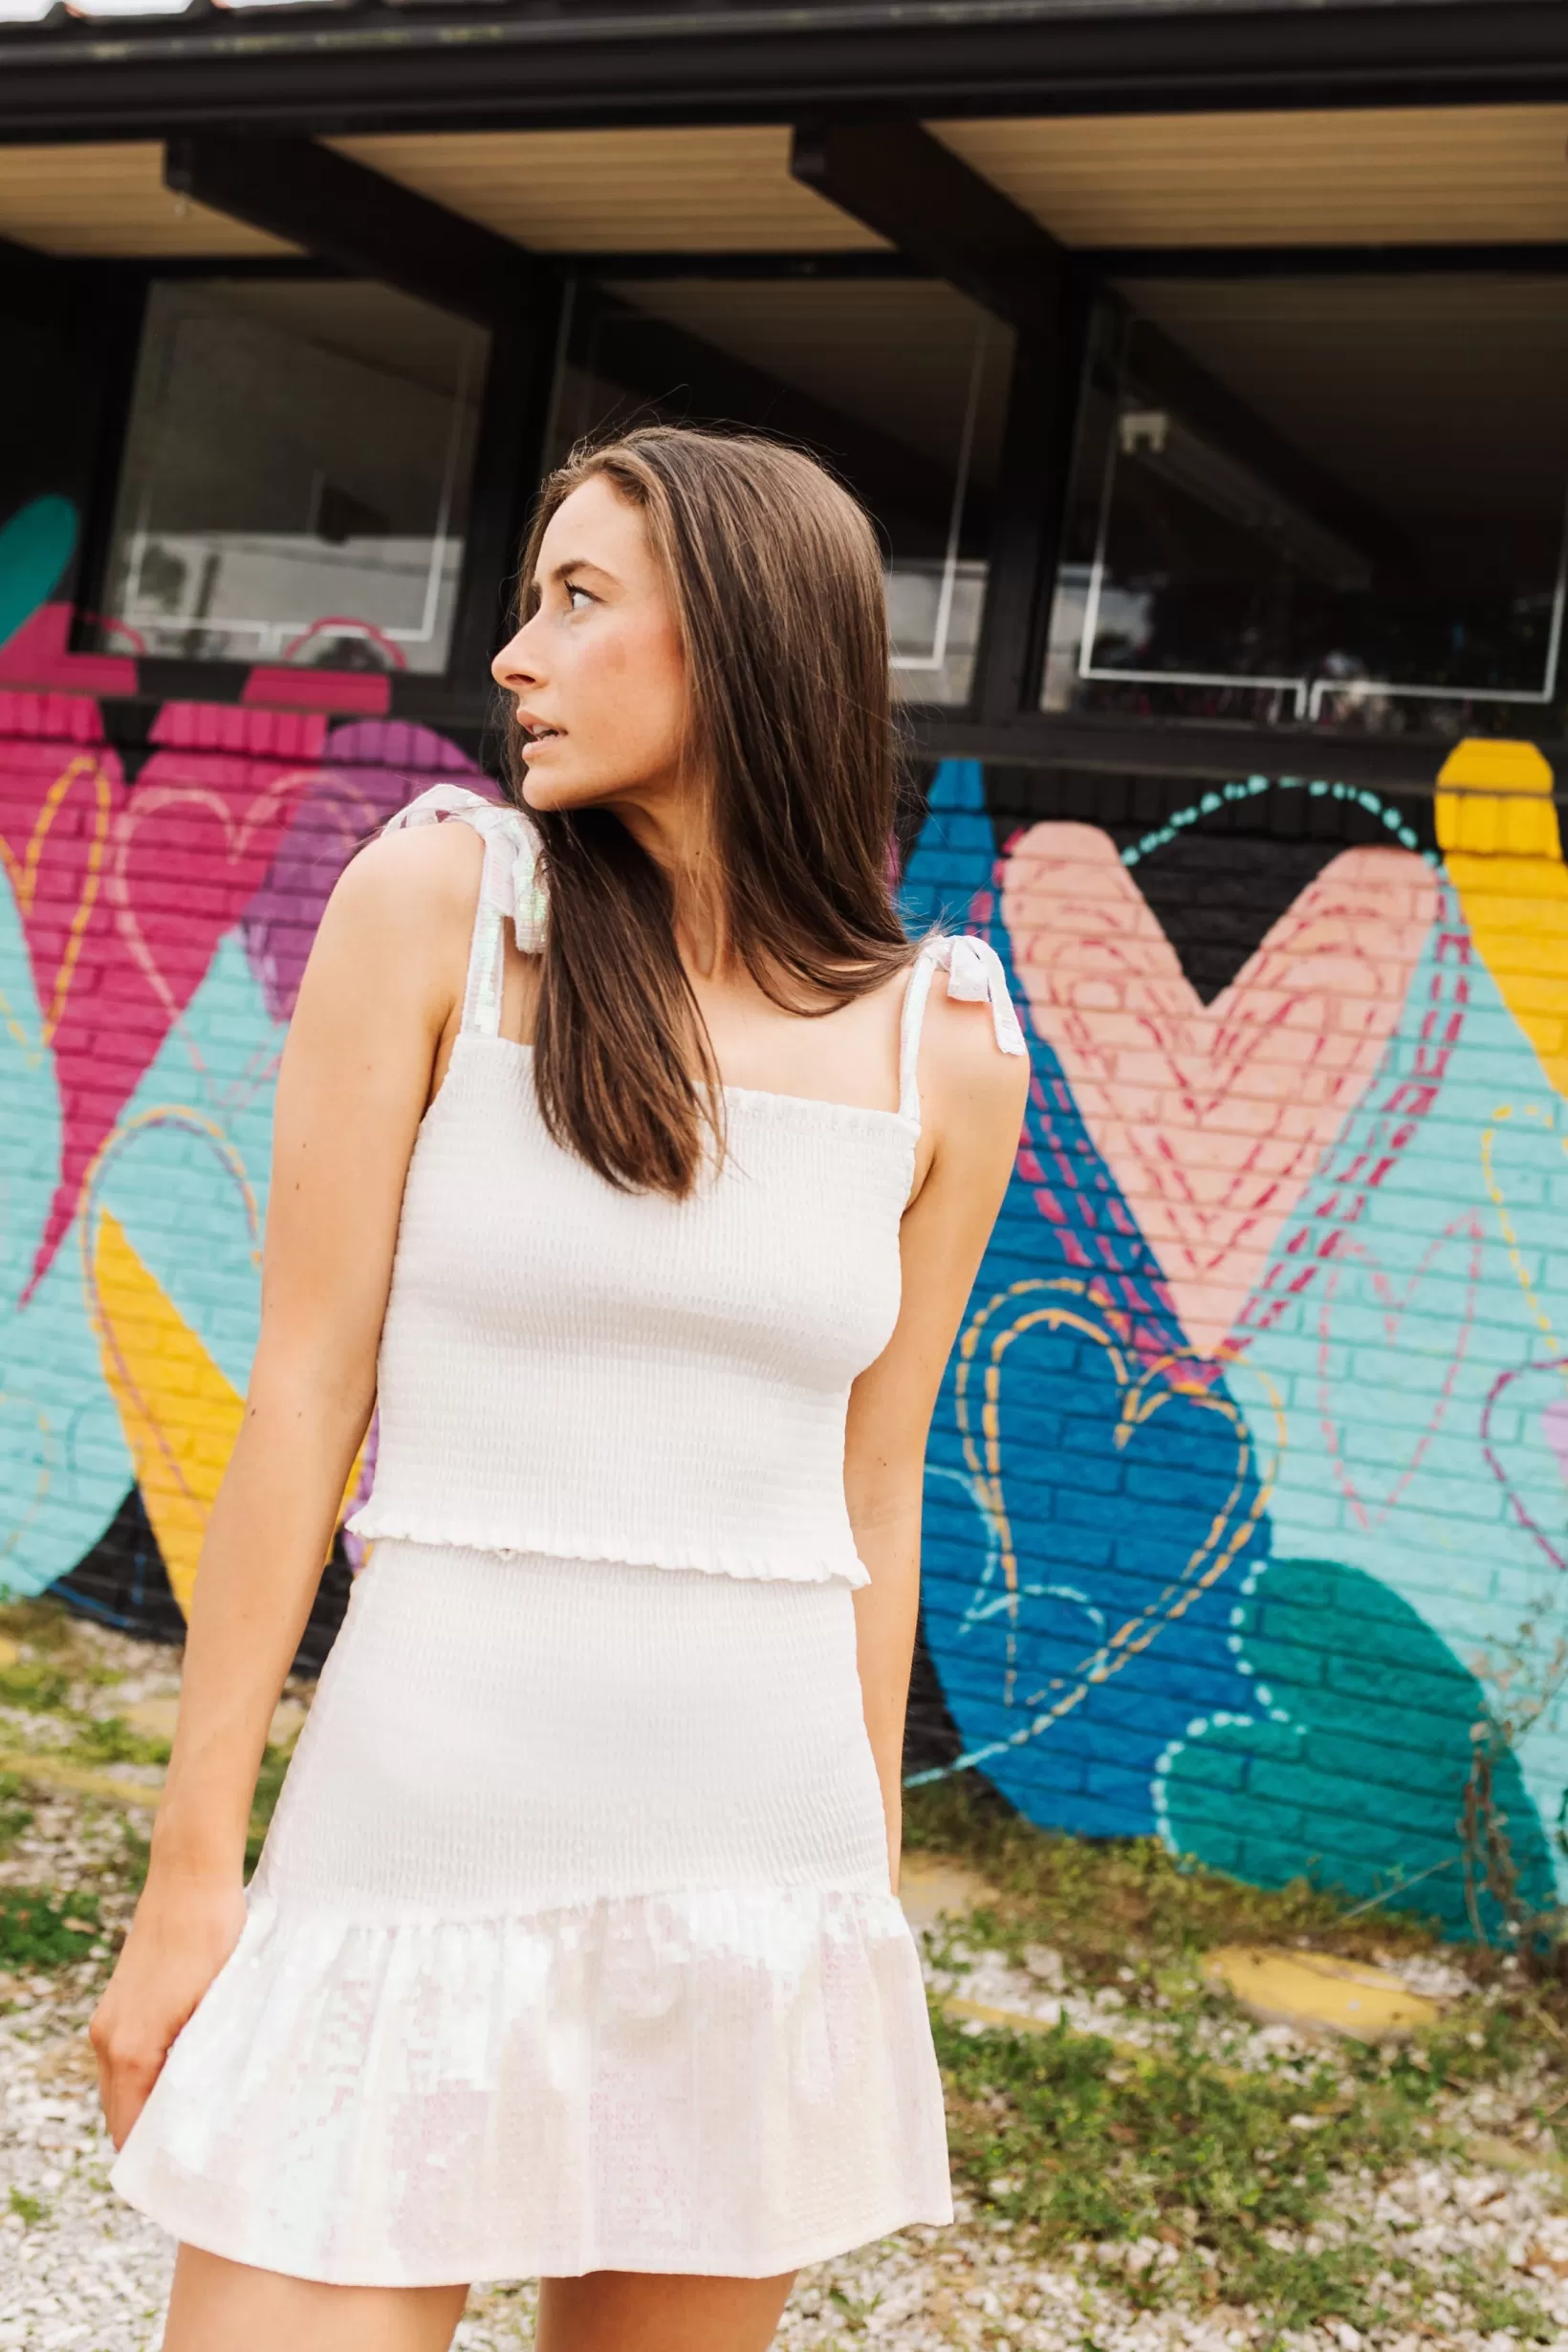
point(598, 673)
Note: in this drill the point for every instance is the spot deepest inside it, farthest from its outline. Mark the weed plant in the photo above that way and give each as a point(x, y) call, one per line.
point(41, 1930)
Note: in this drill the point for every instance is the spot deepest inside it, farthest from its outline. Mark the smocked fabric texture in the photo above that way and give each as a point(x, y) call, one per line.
point(571, 1946)
point(624, 1376)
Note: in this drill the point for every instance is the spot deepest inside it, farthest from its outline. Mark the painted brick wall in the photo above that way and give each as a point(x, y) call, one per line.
point(1247, 1485)
point(1247, 1489)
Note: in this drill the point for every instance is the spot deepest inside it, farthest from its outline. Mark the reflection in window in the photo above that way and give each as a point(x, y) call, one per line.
point(1323, 501)
point(900, 384)
point(296, 480)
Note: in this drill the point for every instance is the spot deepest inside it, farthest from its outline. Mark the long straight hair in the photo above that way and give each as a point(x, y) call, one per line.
point(775, 582)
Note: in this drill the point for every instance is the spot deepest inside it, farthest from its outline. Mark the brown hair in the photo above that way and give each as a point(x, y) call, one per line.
point(776, 584)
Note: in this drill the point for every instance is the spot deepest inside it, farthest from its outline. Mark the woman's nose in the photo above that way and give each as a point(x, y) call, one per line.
point(513, 667)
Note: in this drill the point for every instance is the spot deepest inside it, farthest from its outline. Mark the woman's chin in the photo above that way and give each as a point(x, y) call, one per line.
point(542, 790)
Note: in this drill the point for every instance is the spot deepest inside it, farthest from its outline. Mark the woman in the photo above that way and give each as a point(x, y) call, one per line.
point(635, 1135)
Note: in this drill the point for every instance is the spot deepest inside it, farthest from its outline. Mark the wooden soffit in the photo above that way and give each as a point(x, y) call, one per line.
point(1383, 175)
point(110, 199)
point(724, 189)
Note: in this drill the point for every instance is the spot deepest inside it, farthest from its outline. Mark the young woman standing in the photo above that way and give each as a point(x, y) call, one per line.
point(629, 1153)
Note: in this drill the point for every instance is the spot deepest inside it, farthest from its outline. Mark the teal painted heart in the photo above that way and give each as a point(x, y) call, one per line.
point(36, 543)
point(1351, 1767)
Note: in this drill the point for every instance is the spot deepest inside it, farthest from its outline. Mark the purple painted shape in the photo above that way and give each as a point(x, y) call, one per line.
point(368, 770)
point(358, 1547)
point(1554, 1423)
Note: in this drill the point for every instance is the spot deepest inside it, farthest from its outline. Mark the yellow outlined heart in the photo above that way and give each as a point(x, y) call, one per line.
point(23, 875)
point(1065, 1305)
point(1500, 1118)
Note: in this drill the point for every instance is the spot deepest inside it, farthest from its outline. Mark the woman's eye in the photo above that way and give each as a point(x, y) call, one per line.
point(572, 595)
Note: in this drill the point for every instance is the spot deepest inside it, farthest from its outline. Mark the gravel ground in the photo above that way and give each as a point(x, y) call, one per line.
point(80, 2269)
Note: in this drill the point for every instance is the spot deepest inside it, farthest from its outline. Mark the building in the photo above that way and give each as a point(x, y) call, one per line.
point(1206, 367)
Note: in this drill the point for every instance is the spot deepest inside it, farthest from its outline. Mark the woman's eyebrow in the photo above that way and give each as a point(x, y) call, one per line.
point(572, 565)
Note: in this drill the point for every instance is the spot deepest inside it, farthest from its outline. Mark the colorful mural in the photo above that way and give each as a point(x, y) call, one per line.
point(1247, 1492)
point(152, 937)
point(1247, 1487)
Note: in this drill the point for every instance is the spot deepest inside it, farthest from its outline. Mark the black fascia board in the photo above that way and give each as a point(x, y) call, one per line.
point(359, 220)
point(1208, 752)
point(379, 67)
point(1448, 257)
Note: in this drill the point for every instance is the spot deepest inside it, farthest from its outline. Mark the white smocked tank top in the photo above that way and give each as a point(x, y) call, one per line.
point(570, 1369)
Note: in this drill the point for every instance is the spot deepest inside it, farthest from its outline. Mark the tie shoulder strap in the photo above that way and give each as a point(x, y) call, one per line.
point(974, 976)
point(510, 889)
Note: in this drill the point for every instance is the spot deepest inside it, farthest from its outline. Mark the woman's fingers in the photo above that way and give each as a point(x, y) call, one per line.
point(125, 2079)
point(169, 1959)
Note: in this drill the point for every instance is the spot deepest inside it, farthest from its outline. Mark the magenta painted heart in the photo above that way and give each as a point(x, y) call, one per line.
point(125, 894)
point(1214, 1118)
point(368, 771)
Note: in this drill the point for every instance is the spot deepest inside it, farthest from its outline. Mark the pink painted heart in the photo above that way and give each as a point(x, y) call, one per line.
point(1452, 1261)
point(1212, 1118)
point(1528, 1398)
point(132, 892)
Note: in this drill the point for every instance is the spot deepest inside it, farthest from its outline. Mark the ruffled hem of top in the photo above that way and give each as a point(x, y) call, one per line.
point(375, 1521)
point(724, 2082)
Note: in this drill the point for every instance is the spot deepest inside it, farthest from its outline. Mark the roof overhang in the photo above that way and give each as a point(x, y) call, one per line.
point(121, 68)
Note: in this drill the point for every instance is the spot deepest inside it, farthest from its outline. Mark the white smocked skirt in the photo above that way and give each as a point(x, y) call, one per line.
point(571, 1949)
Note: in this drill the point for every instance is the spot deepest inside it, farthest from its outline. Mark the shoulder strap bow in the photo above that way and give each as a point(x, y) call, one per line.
point(974, 973)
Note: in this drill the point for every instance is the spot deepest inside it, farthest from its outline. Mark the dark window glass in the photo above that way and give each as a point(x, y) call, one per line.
point(1331, 501)
point(296, 480)
point(901, 384)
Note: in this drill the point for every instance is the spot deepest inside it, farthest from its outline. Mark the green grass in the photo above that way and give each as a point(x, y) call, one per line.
point(31, 2210)
point(15, 1814)
point(1075, 2140)
point(1127, 1903)
point(275, 1766)
point(109, 1739)
point(31, 1684)
point(1077, 2143)
point(40, 1928)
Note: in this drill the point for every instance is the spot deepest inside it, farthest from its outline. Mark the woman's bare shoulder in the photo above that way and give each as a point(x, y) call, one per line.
point(965, 1072)
point(420, 871)
point(396, 928)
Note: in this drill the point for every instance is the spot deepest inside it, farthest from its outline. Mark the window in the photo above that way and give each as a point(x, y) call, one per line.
point(296, 480)
point(1330, 501)
point(900, 384)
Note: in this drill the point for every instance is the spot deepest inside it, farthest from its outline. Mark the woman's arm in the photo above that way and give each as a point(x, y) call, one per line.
point(379, 996)
point(973, 1102)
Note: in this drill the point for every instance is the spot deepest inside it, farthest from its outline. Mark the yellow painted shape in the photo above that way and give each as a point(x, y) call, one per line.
point(1312, 1990)
point(9, 1652)
point(930, 1890)
point(1498, 831)
point(986, 2013)
point(180, 1414)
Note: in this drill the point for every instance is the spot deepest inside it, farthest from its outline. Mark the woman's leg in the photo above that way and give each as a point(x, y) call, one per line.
point(219, 2306)
point(635, 2310)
